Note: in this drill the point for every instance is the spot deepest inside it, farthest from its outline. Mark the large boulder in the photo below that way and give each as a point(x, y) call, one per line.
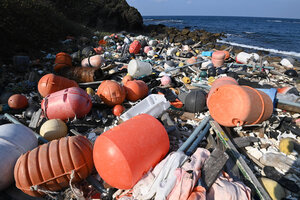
point(110, 15)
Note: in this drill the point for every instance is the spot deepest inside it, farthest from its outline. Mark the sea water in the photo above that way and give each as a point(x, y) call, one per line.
point(275, 35)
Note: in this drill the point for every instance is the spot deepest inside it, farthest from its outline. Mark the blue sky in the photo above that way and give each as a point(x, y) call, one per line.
point(251, 8)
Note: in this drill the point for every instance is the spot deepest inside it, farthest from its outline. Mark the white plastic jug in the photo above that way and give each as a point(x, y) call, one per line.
point(154, 104)
point(137, 68)
point(15, 140)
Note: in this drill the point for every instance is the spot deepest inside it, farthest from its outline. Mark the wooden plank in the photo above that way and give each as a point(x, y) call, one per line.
point(212, 167)
point(242, 165)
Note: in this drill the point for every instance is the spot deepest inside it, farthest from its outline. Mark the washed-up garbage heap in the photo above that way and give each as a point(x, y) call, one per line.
point(138, 118)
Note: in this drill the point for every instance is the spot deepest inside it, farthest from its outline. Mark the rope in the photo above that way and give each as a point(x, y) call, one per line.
point(41, 190)
point(78, 196)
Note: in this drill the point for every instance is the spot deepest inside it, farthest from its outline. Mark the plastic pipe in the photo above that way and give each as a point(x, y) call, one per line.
point(192, 137)
point(195, 144)
point(257, 66)
point(15, 121)
point(288, 103)
point(168, 70)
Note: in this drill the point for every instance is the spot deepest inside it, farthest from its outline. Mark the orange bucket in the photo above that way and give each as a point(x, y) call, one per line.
point(62, 60)
point(233, 105)
point(51, 83)
point(226, 80)
point(126, 152)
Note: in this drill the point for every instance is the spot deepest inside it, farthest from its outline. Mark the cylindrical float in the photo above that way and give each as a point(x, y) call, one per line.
point(226, 80)
point(136, 89)
point(233, 105)
point(62, 60)
point(82, 74)
point(15, 139)
point(66, 104)
point(51, 166)
point(124, 153)
point(52, 83)
point(218, 58)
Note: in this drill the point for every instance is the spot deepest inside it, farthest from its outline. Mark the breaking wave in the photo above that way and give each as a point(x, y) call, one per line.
point(290, 53)
point(175, 21)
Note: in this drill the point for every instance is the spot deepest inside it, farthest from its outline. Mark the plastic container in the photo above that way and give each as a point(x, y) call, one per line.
point(17, 101)
point(66, 104)
point(135, 47)
point(126, 152)
point(154, 105)
point(243, 57)
point(62, 60)
point(226, 80)
point(207, 53)
point(136, 89)
point(111, 92)
point(233, 105)
point(53, 129)
point(50, 165)
point(287, 62)
point(15, 139)
point(93, 61)
point(218, 58)
point(138, 68)
point(52, 83)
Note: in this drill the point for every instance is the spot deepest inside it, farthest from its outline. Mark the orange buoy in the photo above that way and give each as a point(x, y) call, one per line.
point(233, 105)
point(136, 89)
point(111, 92)
point(17, 101)
point(218, 58)
point(62, 60)
point(51, 166)
point(118, 110)
point(126, 79)
point(226, 80)
point(126, 152)
point(135, 47)
point(227, 55)
point(52, 83)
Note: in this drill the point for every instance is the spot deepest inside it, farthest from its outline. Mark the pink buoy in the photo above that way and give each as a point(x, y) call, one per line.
point(165, 80)
point(218, 58)
point(147, 49)
point(66, 104)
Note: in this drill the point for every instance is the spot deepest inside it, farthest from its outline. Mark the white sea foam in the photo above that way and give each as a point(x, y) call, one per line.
point(277, 21)
point(163, 20)
point(290, 53)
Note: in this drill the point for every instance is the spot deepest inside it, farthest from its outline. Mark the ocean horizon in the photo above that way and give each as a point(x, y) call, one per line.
point(280, 36)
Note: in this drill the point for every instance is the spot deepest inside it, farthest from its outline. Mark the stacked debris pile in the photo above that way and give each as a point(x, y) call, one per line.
point(129, 116)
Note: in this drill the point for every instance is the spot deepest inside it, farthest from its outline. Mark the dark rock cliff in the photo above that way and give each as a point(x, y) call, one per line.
point(31, 25)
